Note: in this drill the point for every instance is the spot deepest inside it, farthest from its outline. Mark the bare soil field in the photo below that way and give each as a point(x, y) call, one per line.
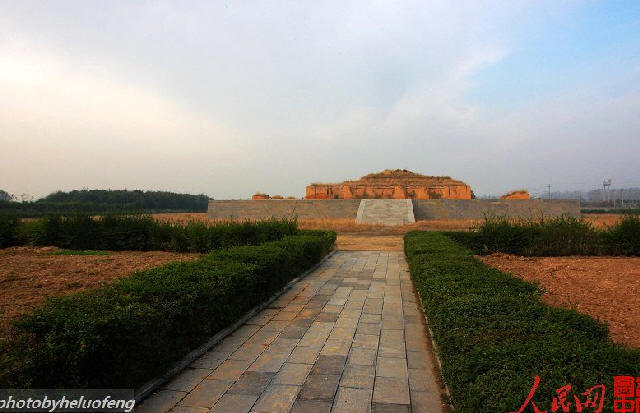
point(28, 275)
point(607, 288)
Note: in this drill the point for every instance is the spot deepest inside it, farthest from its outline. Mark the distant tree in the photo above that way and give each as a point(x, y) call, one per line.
point(130, 199)
point(5, 196)
point(98, 201)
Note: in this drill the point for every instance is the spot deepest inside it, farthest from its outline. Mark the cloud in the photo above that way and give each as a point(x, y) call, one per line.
point(75, 120)
point(476, 60)
point(228, 98)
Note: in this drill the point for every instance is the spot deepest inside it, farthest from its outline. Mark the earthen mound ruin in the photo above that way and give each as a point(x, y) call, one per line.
point(519, 194)
point(392, 184)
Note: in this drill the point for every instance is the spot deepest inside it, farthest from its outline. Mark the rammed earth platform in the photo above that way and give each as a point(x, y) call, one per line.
point(350, 337)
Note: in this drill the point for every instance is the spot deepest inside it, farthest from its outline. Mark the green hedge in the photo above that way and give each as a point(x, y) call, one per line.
point(125, 334)
point(143, 233)
point(553, 237)
point(494, 334)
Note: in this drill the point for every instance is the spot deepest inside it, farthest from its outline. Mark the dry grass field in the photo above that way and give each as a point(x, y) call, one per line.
point(183, 217)
point(343, 225)
point(602, 220)
point(607, 288)
point(350, 226)
point(29, 275)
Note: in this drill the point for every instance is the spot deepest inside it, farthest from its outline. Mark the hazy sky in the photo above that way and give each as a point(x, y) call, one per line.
point(226, 98)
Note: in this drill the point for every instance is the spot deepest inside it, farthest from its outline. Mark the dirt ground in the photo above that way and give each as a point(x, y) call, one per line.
point(607, 288)
point(28, 275)
point(360, 242)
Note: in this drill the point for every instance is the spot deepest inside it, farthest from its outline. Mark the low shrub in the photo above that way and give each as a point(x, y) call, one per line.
point(553, 237)
point(28, 232)
point(125, 334)
point(143, 233)
point(625, 236)
point(495, 335)
point(8, 231)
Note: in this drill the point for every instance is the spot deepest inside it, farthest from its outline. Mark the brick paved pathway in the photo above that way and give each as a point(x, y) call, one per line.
point(347, 338)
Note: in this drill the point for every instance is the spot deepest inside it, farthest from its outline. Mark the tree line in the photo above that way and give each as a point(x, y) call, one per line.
point(102, 201)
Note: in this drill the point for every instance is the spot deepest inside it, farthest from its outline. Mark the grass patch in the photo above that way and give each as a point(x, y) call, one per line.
point(494, 334)
point(559, 236)
point(80, 252)
point(122, 335)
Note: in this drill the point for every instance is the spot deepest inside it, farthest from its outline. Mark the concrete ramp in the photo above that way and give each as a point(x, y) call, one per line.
point(385, 212)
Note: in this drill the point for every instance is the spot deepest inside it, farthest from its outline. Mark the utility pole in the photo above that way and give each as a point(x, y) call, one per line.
point(549, 191)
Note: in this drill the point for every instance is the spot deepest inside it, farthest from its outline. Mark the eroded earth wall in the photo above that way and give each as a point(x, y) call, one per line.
point(284, 208)
point(479, 208)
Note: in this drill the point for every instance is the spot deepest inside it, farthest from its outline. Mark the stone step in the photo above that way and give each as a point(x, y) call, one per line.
point(385, 212)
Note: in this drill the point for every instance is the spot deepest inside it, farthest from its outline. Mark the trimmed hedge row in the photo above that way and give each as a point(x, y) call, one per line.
point(494, 334)
point(124, 334)
point(143, 233)
point(553, 237)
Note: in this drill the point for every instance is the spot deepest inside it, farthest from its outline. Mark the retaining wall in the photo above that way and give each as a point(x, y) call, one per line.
point(479, 208)
point(284, 208)
point(423, 209)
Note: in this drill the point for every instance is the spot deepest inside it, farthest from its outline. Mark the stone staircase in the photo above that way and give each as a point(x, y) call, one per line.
point(385, 212)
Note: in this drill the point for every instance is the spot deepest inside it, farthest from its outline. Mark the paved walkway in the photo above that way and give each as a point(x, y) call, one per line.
point(347, 338)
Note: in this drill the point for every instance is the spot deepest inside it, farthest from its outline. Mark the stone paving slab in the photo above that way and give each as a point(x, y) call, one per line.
point(350, 337)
